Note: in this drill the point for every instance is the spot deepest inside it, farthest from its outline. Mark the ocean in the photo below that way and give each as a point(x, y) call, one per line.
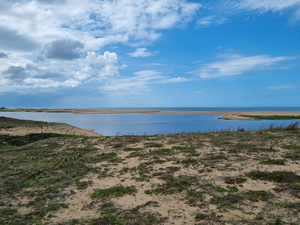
point(150, 124)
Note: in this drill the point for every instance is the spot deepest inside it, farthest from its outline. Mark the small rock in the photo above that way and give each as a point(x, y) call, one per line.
point(242, 208)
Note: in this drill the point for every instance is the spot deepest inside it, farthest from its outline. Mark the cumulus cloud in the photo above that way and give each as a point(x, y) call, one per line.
point(63, 49)
point(236, 64)
point(286, 86)
point(12, 40)
point(3, 55)
point(98, 67)
point(25, 76)
point(95, 22)
point(140, 52)
point(52, 1)
point(59, 33)
point(14, 73)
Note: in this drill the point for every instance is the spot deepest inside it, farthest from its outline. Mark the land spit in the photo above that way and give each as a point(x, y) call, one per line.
point(243, 177)
point(230, 115)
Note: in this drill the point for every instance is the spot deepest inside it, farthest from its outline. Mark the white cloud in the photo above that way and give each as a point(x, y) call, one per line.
point(175, 80)
point(267, 5)
point(58, 34)
point(287, 86)
point(20, 75)
point(137, 83)
point(98, 67)
point(140, 52)
point(198, 92)
point(236, 64)
point(96, 23)
point(263, 6)
point(131, 85)
point(210, 20)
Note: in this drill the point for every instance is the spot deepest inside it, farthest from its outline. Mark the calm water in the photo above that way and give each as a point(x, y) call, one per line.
point(139, 124)
point(239, 109)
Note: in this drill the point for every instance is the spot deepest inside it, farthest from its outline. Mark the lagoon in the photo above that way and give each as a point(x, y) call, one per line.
point(149, 124)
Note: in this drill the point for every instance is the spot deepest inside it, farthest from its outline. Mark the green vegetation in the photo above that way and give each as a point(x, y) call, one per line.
point(290, 205)
point(83, 184)
point(276, 176)
point(112, 215)
point(112, 192)
point(273, 162)
point(195, 198)
point(56, 206)
point(132, 149)
point(208, 173)
point(272, 117)
point(255, 196)
point(153, 145)
point(237, 180)
point(27, 139)
point(8, 211)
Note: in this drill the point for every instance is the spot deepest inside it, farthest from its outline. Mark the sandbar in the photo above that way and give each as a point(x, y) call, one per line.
point(231, 115)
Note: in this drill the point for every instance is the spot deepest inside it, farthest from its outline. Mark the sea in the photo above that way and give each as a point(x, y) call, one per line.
point(151, 124)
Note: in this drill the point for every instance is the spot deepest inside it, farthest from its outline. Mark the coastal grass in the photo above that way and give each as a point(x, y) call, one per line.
point(131, 179)
point(118, 191)
point(275, 117)
point(6, 122)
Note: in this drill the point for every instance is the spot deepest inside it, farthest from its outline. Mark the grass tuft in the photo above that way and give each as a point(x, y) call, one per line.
point(117, 191)
point(276, 176)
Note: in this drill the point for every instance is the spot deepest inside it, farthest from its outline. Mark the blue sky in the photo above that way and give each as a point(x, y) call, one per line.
point(149, 53)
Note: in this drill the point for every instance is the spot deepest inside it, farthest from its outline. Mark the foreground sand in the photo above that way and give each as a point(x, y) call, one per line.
point(232, 115)
point(188, 178)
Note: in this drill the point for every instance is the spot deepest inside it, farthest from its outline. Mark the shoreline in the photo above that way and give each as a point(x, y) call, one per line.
point(228, 115)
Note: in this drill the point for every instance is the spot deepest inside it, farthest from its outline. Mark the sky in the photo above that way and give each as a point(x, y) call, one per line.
point(149, 53)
